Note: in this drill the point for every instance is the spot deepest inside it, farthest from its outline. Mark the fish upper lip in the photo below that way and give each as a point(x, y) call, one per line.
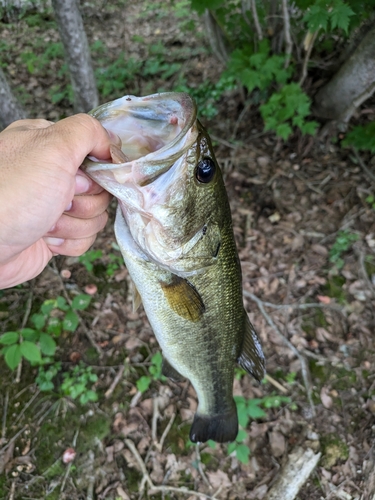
point(146, 168)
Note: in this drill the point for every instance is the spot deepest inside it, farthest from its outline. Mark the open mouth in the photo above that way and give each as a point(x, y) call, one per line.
point(147, 124)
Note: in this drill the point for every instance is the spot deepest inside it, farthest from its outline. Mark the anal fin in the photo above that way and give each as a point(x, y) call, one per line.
point(251, 357)
point(168, 371)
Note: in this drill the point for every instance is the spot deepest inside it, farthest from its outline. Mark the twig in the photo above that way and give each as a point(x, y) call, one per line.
point(88, 333)
point(5, 411)
point(30, 402)
point(256, 20)
point(116, 380)
point(297, 306)
point(275, 383)
point(166, 430)
point(239, 119)
point(24, 321)
point(12, 490)
point(154, 424)
point(13, 438)
point(363, 166)
point(287, 36)
point(147, 479)
point(309, 44)
point(67, 472)
point(304, 367)
point(200, 469)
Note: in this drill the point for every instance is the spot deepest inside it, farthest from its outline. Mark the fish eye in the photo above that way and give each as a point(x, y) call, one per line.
point(205, 170)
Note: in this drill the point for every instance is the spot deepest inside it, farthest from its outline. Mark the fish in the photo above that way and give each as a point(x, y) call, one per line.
point(174, 229)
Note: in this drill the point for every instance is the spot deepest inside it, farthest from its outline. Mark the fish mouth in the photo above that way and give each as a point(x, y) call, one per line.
point(155, 131)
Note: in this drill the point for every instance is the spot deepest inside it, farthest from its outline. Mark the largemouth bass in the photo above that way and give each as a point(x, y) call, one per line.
point(174, 229)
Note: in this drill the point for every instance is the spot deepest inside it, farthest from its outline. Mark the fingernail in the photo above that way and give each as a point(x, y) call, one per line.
point(69, 207)
point(114, 137)
point(52, 228)
point(82, 184)
point(54, 242)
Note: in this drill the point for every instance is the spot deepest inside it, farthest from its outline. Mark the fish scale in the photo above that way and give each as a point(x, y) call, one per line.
point(174, 229)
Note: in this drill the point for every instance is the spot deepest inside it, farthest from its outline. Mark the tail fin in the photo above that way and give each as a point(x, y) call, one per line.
point(221, 428)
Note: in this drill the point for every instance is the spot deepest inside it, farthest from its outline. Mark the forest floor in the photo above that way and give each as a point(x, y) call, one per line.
point(295, 207)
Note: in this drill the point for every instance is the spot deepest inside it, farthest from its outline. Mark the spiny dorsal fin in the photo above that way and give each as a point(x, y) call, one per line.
point(183, 298)
point(136, 297)
point(251, 358)
point(168, 371)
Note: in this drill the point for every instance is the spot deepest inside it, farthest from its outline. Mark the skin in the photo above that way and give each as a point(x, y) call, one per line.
point(48, 206)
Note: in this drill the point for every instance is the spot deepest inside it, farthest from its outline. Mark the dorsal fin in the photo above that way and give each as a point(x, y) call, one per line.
point(251, 357)
point(183, 298)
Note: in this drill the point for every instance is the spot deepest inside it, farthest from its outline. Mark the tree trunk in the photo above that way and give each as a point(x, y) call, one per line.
point(353, 83)
point(77, 53)
point(10, 109)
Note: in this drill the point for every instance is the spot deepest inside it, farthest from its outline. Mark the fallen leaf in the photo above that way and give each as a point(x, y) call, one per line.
point(277, 443)
point(68, 455)
point(219, 479)
point(324, 299)
point(326, 398)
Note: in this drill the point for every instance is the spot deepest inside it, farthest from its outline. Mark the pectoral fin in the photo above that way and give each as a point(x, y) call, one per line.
point(170, 372)
point(183, 298)
point(251, 358)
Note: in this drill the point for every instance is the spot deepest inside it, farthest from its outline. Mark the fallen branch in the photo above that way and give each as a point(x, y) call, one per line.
point(304, 367)
point(294, 474)
point(287, 36)
point(116, 380)
point(163, 489)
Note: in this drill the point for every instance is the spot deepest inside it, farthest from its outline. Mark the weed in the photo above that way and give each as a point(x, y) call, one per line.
point(37, 344)
point(371, 201)
point(154, 370)
point(343, 242)
point(89, 257)
point(361, 137)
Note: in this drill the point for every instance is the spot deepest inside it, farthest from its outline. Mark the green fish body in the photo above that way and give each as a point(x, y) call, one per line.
point(174, 229)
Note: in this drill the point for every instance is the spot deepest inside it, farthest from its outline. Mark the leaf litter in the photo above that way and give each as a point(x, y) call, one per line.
point(288, 210)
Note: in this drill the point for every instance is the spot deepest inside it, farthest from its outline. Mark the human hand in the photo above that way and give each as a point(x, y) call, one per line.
point(47, 205)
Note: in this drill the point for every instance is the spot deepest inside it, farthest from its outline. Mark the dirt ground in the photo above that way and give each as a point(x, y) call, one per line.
point(289, 203)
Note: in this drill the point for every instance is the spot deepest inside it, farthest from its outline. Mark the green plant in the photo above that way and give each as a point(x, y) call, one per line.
point(251, 409)
point(371, 201)
point(286, 109)
point(343, 242)
point(89, 257)
point(143, 383)
point(361, 137)
point(37, 344)
point(329, 17)
point(76, 381)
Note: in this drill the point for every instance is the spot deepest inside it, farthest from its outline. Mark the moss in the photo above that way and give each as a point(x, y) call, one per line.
point(334, 288)
point(334, 450)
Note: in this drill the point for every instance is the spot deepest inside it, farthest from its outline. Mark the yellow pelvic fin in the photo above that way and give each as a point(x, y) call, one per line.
point(183, 298)
point(117, 154)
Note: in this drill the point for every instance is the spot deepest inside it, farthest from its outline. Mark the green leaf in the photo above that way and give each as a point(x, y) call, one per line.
point(143, 384)
point(47, 306)
point(12, 356)
point(9, 338)
point(54, 326)
point(241, 436)
point(71, 321)
point(30, 351)
point(242, 453)
point(340, 15)
point(61, 304)
point(47, 344)
point(38, 320)
point(29, 334)
point(201, 5)
point(254, 411)
point(316, 17)
point(211, 444)
point(81, 301)
point(231, 447)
